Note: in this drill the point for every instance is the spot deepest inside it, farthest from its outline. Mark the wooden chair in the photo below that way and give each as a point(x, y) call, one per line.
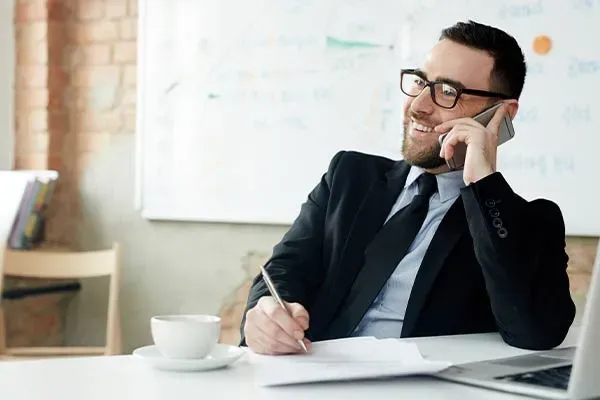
point(49, 264)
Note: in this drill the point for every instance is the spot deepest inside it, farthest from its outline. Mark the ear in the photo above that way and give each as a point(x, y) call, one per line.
point(512, 106)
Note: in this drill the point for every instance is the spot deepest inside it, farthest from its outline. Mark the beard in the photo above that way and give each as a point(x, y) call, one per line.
point(422, 155)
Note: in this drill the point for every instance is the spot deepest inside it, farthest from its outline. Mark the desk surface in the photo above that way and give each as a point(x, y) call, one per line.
point(125, 377)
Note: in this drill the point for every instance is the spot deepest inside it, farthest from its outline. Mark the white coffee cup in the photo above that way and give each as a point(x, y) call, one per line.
point(185, 336)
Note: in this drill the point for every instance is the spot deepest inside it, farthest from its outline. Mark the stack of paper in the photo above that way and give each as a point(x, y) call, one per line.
point(345, 359)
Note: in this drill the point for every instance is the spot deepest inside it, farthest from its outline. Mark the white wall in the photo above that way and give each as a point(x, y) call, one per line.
point(7, 73)
point(167, 267)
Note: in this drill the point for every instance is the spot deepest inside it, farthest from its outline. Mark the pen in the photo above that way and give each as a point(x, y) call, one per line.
point(274, 293)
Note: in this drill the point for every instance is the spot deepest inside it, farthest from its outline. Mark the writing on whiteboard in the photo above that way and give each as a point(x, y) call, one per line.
point(580, 67)
point(527, 114)
point(522, 10)
point(585, 4)
point(541, 165)
point(576, 114)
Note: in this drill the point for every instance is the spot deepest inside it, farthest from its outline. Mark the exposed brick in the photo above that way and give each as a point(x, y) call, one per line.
point(89, 76)
point(130, 75)
point(96, 31)
point(96, 122)
point(32, 143)
point(36, 320)
point(55, 102)
point(55, 142)
point(32, 121)
point(31, 32)
point(129, 97)
point(58, 78)
point(90, 10)
point(125, 52)
point(89, 54)
point(31, 76)
point(132, 9)
point(33, 10)
point(128, 29)
point(93, 142)
point(32, 53)
point(56, 41)
point(116, 8)
point(32, 161)
point(26, 99)
point(59, 10)
point(100, 97)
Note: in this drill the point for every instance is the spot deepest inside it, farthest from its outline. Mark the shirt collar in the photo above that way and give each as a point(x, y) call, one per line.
point(449, 183)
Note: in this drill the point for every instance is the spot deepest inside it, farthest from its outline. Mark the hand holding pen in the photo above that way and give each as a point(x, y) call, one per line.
point(274, 326)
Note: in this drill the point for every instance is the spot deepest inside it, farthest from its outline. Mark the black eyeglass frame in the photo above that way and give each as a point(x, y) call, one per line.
point(459, 89)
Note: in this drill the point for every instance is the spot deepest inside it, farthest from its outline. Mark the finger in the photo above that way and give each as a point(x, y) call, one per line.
point(274, 331)
point(303, 322)
point(307, 343)
point(494, 123)
point(262, 344)
point(259, 326)
point(451, 124)
point(257, 345)
point(300, 314)
point(280, 316)
point(453, 138)
point(275, 346)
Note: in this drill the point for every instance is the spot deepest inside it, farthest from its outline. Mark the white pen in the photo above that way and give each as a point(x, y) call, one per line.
point(274, 293)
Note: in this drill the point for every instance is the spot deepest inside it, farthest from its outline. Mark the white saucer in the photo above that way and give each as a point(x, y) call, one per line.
point(221, 356)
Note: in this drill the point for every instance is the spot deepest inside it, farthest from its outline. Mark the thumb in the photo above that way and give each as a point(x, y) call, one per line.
point(299, 313)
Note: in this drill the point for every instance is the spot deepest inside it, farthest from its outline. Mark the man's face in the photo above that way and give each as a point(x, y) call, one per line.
point(456, 62)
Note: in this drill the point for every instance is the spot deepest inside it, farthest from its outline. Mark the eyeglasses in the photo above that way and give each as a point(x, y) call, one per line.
point(444, 94)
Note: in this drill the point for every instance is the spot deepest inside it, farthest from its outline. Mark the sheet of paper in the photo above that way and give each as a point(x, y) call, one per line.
point(345, 359)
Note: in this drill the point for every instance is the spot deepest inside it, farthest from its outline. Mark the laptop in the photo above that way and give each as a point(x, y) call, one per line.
point(571, 373)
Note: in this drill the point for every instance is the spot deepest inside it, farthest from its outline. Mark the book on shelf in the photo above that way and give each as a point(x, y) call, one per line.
point(34, 189)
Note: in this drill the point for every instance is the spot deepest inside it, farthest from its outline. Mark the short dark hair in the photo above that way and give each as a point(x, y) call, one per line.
point(508, 73)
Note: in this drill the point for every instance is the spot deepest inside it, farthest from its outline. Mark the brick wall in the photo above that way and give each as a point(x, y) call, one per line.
point(75, 90)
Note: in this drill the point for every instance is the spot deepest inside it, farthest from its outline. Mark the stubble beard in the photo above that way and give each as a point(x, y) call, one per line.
point(421, 155)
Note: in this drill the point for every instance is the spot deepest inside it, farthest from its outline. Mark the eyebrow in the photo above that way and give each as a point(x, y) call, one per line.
point(444, 79)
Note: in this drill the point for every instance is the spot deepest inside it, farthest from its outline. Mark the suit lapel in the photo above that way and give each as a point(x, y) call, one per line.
point(452, 227)
point(372, 213)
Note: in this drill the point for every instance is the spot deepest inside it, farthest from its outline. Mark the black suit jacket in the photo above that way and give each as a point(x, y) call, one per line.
point(496, 263)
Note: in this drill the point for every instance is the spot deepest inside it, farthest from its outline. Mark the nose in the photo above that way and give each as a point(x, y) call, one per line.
point(423, 103)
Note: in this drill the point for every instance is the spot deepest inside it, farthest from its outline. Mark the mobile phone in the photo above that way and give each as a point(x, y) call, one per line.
point(505, 133)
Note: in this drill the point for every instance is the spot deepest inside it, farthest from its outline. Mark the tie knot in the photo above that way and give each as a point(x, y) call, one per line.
point(427, 184)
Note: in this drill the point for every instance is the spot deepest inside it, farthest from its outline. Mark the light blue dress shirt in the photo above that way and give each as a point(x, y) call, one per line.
point(386, 315)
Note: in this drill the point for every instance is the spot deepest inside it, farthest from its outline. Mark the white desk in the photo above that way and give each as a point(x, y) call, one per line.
point(125, 377)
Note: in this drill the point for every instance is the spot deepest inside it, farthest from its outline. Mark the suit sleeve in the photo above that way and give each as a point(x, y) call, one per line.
point(296, 263)
point(520, 246)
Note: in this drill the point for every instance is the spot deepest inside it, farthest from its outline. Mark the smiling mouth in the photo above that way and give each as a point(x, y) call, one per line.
point(421, 127)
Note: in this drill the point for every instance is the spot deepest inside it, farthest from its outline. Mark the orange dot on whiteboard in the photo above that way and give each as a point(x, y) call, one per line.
point(542, 44)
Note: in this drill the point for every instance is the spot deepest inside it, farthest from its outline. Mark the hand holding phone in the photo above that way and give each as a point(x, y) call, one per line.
point(505, 133)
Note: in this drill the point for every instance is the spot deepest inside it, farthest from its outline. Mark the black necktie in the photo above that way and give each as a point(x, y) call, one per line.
point(395, 237)
point(383, 255)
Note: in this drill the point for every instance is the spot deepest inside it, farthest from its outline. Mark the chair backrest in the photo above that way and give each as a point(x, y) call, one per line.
point(59, 264)
point(50, 264)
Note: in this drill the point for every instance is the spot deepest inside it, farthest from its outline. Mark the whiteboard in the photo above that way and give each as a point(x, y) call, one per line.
point(243, 103)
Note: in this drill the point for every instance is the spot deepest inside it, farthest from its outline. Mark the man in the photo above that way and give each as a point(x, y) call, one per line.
point(479, 258)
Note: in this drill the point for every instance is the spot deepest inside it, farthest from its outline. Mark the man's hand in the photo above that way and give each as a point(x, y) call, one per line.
point(269, 329)
point(481, 141)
